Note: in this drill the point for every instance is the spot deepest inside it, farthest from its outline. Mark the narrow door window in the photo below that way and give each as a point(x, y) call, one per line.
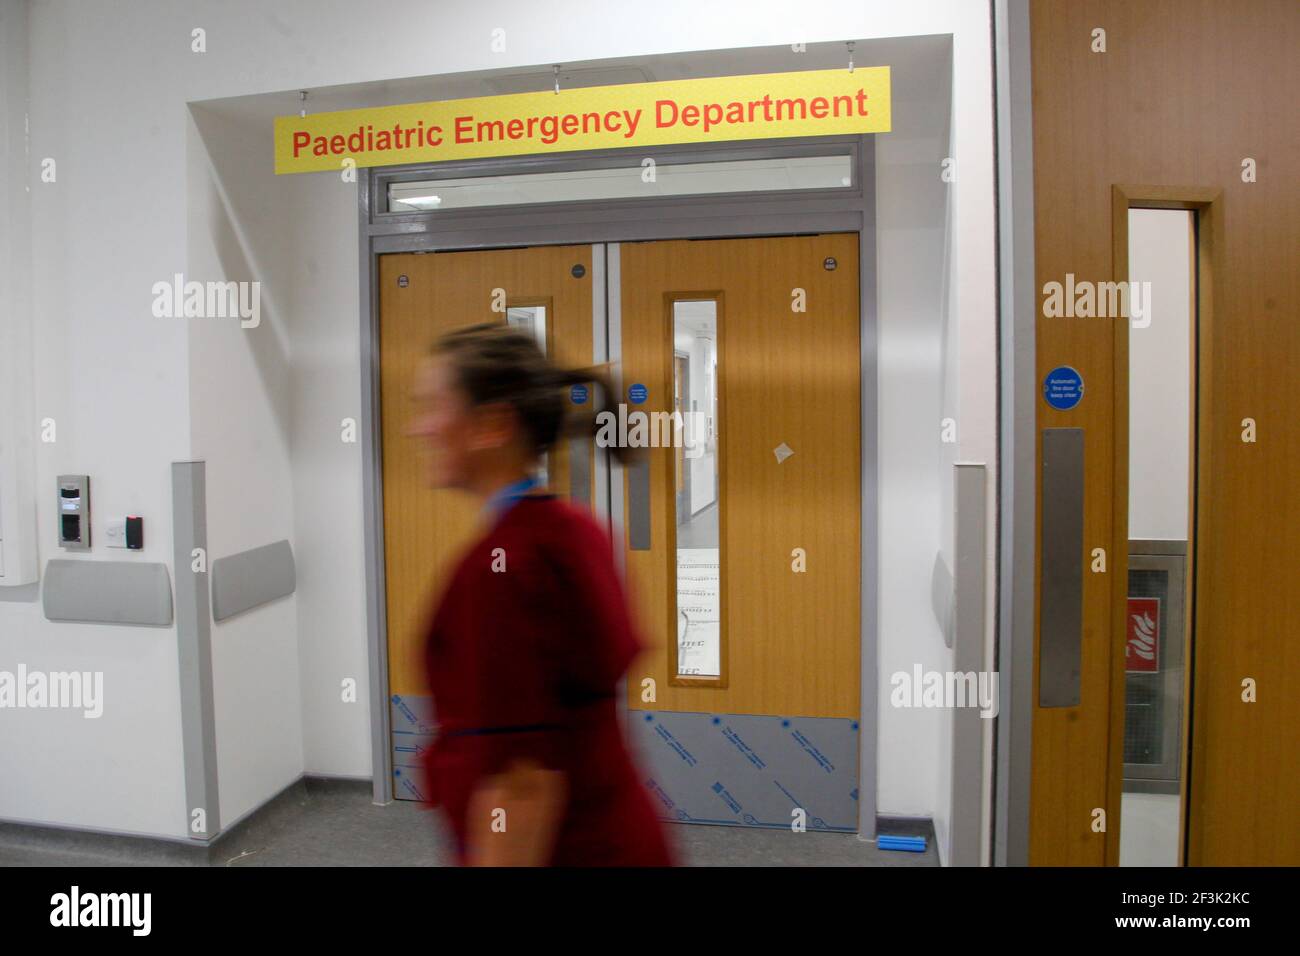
point(695, 480)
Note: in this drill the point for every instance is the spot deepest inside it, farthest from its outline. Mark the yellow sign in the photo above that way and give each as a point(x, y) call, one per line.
point(719, 109)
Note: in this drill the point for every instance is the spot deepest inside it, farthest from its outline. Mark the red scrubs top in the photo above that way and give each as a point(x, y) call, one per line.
point(524, 664)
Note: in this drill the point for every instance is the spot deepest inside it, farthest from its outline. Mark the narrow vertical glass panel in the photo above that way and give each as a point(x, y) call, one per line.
point(532, 319)
point(696, 490)
point(1162, 335)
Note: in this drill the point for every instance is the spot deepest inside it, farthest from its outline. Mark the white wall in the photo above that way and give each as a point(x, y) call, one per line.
point(241, 407)
point(110, 86)
point(115, 381)
point(911, 220)
point(17, 438)
point(328, 515)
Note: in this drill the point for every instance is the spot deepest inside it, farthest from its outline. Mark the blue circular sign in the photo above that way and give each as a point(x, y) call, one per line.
point(1063, 388)
point(637, 394)
point(578, 394)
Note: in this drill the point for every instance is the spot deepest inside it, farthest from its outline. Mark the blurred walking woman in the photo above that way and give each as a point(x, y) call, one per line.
point(533, 631)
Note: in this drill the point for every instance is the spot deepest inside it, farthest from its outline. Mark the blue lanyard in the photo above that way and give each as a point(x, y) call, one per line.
point(502, 501)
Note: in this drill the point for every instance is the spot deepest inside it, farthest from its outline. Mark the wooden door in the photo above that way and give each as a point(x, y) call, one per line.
point(788, 470)
point(422, 296)
point(1136, 125)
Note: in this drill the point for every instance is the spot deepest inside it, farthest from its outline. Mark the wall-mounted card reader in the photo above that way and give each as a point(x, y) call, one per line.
point(74, 512)
point(126, 532)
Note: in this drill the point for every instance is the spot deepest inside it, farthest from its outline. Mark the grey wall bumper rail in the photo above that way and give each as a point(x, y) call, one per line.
point(249, 579)
point(194, 651)
point(942, 588)
point(970, 547)
point(107, 592)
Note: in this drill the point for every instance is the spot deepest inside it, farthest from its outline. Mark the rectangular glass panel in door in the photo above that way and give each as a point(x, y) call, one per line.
point(1161, 334)
point(695, 458)
point(532, 319)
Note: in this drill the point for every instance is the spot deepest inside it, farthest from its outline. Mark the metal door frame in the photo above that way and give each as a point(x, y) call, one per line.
point(1017, 505)
point(606, 223)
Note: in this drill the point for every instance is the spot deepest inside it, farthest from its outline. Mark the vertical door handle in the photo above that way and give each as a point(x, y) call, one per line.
point(638, 503)
point(1060, 564)
point(580, 470)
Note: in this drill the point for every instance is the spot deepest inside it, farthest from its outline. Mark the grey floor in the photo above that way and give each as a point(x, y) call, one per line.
point(331, 823)
point(1149, 835)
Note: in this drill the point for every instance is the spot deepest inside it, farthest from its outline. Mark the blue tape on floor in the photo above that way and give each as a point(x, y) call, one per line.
point(912, 844)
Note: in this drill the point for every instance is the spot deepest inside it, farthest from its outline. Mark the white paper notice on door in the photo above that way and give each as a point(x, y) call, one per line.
point(699, 643)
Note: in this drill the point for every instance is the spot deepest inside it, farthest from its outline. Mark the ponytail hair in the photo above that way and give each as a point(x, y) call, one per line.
point(501, 363)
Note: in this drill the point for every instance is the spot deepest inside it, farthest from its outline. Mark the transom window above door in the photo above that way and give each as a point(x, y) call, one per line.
point(637, 178)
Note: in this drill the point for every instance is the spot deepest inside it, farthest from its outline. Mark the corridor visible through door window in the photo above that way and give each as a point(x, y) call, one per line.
point(695, 364)
point(1162, 348)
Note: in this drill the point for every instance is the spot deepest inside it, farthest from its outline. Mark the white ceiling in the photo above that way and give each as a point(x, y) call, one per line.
point(920, 68)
